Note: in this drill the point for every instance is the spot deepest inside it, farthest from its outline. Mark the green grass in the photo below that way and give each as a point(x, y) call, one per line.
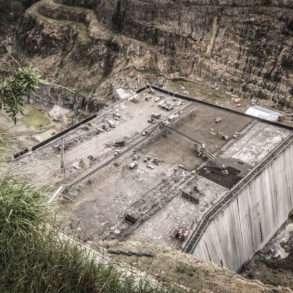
point(35, 118)
point(185, 269)
point(34, 260)
point(3, 145)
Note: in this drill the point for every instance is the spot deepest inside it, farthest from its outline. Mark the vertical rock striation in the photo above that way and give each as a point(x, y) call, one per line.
point(243, 46)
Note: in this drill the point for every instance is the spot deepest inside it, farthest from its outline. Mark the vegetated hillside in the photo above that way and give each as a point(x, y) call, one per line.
point(241, 46)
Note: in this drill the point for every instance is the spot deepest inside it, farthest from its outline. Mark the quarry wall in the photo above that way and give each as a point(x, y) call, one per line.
point(253, 212)
point(242, 47)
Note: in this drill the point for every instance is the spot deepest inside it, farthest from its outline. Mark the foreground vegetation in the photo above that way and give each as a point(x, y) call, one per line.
point(34, 260)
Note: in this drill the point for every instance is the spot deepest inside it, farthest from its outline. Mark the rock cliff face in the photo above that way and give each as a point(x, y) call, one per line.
point(242, 46)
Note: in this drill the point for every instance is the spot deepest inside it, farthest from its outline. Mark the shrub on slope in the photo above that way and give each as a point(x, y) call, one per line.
point(34, 260)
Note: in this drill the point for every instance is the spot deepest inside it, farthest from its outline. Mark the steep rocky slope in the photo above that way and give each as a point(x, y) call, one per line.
point(244, 47)
point(180, 270)
point(273, 264)
point(70, 45)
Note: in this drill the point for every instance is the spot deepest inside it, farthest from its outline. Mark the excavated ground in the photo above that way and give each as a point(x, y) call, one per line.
point(164, 163)
point(135, 171)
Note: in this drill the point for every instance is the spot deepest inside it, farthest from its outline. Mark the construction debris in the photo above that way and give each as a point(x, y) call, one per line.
point(132, 165)
point(120, 143)
point(181, 234)
point(190, 195)
point(134, 100)
point(218, 120)
point(156, 116)
point(91, 158)
point(212, 132)
point(111, 123)
point(150, 166)
point(130, 219)
point(116, 116)
point(236, 135)
point(136, 157)
point(166, 105)
point(86, 128)
point(173, 117)
point(225, 172)
point(156, 161)
point(75, 166)
point(200, 149)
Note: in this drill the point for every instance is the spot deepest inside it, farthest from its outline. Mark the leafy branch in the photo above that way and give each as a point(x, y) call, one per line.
point(14, 89)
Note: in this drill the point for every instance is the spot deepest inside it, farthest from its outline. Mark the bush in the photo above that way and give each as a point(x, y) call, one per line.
point(34, 260)
point(14, 88)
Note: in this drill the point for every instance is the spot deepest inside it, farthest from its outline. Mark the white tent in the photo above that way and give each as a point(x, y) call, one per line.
point(263, 113)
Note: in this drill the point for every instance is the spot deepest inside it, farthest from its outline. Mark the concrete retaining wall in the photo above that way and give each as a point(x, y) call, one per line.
point(256, 211)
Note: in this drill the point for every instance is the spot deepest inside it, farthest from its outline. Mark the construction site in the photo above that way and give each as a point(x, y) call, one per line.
point(155, 166)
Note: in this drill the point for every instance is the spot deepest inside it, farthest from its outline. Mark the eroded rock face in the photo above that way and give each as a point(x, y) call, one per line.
point(243, 46)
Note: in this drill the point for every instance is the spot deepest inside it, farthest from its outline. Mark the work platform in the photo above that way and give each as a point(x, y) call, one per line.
point(149, 167)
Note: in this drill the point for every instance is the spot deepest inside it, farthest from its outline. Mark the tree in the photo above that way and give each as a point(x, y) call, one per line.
point(13, 90)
